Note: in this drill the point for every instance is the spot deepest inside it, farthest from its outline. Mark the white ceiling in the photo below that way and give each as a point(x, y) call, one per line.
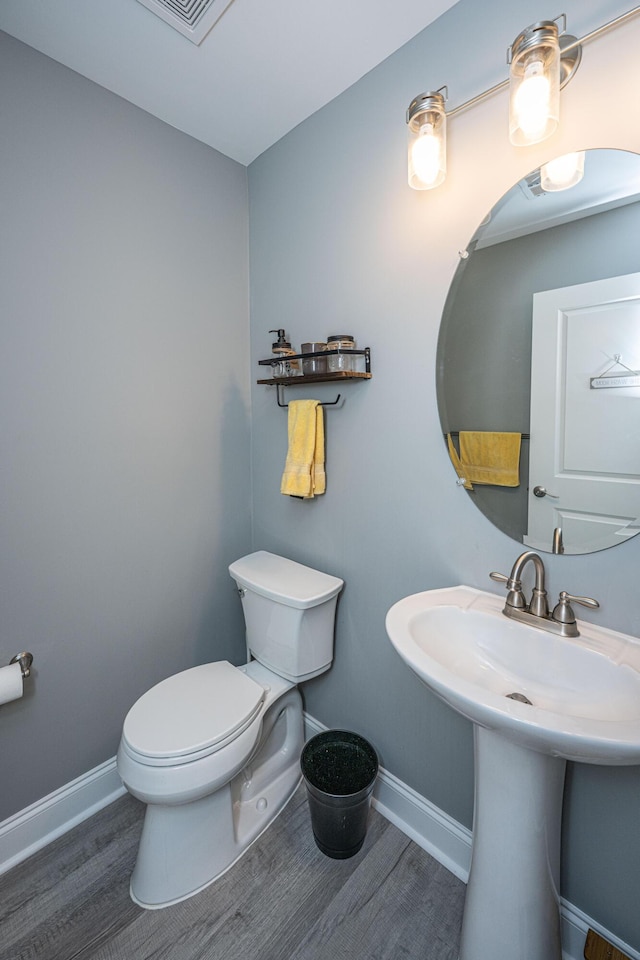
point(264, 67)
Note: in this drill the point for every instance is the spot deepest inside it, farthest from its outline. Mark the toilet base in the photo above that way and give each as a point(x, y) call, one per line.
point(186, 847)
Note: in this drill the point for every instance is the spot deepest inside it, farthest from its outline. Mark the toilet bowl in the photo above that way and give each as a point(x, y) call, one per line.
point(214, 750)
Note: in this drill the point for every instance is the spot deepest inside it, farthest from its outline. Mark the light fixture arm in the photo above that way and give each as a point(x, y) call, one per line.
point(617, 21)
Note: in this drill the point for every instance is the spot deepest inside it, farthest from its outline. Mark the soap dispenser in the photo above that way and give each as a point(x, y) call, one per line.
point(283, 350)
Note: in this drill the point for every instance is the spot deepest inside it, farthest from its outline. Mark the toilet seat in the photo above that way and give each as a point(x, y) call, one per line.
point(191, 715)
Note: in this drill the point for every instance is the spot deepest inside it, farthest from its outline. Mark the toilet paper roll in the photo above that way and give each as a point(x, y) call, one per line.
point(10, 683)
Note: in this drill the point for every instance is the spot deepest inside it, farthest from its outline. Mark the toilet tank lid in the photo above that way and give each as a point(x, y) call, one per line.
point(284, 580)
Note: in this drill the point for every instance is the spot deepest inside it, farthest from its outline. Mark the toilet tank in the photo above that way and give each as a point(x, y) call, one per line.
point(289, 611)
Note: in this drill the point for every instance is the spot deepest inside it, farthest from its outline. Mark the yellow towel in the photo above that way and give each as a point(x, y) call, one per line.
point(487, 457)
point(304, 474)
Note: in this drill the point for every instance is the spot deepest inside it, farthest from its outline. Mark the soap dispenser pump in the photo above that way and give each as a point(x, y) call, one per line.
point(283, 367)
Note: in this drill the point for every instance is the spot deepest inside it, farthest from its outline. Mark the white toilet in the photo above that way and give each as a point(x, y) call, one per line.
point(215, 750)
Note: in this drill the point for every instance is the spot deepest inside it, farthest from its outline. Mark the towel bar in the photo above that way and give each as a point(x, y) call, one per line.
point(455, 433)
point(325, 403)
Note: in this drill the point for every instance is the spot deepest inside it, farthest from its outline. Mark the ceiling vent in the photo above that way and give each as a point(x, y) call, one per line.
point(192, 18)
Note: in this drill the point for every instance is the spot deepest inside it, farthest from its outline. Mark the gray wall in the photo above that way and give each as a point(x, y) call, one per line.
point(340, 244)
point(484, 350)
point(124, 412)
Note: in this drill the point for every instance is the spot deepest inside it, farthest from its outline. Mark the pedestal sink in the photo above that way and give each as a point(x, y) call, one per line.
point(536, 701)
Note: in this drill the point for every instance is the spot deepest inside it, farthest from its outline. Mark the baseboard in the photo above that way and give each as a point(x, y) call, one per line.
point(575, 925)
point(36, 826)
point(450, 844)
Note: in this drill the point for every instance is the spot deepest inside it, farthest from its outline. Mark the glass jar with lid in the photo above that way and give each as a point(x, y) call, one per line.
point(341, 362)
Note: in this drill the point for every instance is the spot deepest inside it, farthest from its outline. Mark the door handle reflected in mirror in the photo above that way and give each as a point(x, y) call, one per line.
point(543, 492)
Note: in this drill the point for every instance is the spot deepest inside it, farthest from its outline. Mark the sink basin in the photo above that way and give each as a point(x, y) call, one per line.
point(584, 693)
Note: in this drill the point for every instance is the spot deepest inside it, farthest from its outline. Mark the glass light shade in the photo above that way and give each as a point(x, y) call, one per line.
point(427, 144)
point(562, 173)
point(534, 87)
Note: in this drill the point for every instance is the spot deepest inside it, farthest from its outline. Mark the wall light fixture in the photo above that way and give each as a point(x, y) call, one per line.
point(427, 129)
point(534, 84)
point(542, 59)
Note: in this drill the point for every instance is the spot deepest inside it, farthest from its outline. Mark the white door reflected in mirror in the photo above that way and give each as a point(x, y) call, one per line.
point(584, 442)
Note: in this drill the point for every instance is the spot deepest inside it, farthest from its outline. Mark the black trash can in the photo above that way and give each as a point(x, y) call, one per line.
point(339, 769)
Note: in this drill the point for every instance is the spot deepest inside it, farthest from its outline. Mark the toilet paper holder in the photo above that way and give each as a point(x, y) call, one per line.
point(25, 659)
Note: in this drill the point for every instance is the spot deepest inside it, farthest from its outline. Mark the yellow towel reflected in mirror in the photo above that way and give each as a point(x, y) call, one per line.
point(487, 457)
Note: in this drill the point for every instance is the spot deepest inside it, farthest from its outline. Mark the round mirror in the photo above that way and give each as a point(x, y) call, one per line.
point(538, 366)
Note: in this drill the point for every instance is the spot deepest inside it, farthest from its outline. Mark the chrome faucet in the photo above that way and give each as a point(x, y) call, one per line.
point(536, 613)
point(557, 543)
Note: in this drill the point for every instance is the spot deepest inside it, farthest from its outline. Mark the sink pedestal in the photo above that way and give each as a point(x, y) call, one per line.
point(512, 904)
point(581, 701)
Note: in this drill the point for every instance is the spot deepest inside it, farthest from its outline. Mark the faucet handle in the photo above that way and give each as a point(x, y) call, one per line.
point(500, 577)
point(563, 611)
point(585, 601)
point(568, 598)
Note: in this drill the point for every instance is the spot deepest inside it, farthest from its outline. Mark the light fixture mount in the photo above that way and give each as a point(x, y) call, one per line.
point(570, 57)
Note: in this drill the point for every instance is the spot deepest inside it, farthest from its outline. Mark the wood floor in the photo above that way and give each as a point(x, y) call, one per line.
point(284, 900)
